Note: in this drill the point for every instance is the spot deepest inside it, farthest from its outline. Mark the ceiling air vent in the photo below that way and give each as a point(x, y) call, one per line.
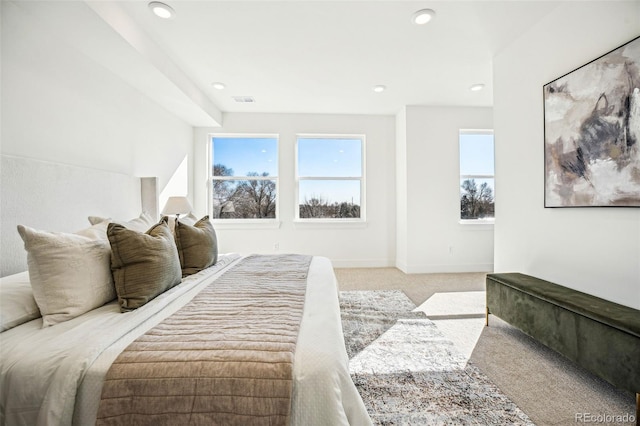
point(244, 99)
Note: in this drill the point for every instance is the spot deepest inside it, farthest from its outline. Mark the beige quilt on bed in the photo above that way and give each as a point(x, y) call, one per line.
point(225, 358)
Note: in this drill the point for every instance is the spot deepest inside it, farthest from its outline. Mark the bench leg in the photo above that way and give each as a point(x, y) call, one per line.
point(637, 409)
point(486, 317)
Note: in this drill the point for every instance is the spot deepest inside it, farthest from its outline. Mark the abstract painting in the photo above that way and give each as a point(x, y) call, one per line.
point(592, 133)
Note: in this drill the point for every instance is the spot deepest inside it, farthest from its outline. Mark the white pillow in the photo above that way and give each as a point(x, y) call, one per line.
point(141, 223)
point(188, 219)
point(70, 273)
point(17, 304)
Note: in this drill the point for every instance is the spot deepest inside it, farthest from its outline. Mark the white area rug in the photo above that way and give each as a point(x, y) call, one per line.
point(408, 373)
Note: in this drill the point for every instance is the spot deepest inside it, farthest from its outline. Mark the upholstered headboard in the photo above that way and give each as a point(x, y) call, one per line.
point(59, 197)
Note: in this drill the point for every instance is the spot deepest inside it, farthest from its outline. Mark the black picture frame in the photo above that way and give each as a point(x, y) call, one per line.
point(592, 132)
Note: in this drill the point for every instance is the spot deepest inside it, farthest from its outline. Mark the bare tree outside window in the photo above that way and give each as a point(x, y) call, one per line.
point(247, 195)
point(259, 197)
point(476, 202)
point(318, 207)
point(244, 199)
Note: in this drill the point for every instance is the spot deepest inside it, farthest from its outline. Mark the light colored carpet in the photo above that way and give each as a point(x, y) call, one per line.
point(548, 388)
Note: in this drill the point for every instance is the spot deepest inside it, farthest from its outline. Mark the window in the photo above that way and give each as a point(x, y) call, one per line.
point(477, 182)
point(330, 177)
point(244, 177)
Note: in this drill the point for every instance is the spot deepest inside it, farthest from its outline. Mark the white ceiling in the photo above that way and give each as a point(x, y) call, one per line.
point(297, 56)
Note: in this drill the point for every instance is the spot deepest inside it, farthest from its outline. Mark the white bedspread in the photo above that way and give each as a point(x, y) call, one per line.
point(53, 376)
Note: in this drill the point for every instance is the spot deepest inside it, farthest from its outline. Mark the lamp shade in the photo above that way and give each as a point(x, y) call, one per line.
point(177, 205)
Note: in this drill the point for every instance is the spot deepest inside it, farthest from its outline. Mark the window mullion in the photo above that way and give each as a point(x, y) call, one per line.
point(245, 177)
point(328, 178)
point(477, 176)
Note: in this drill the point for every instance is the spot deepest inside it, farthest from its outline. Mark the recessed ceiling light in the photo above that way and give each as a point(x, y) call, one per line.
point(162, 10)
point(218, 85)
point(476, 87)
point(423, 16)
point(379, 88)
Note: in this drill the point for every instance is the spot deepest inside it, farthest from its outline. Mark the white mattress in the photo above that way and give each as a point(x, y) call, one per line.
point(53, 376)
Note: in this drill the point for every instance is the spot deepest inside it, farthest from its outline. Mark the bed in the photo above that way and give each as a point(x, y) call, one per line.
point(54, 375)
point(57, 373)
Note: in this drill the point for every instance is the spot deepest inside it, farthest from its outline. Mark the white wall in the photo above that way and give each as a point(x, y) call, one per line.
point(61, 106)
point(402, 231)
point(435, 240)
point(371, 245)
point(595, 250)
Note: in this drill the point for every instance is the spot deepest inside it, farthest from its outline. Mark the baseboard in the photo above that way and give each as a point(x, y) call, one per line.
point(362, 263)
point(411, 269)
point(402, 266)
point(439, 269)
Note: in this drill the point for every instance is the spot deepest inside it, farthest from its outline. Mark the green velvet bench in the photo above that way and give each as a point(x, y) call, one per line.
point(599, 335)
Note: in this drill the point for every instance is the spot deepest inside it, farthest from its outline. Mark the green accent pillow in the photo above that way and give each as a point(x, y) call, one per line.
point(144, 265)
point(197, 245)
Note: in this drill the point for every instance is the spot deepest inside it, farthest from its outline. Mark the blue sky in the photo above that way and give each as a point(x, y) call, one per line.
point(245, 155)
point(329, 157)
point(476, 154)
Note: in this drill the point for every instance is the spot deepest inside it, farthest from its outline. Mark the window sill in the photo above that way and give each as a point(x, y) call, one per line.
point(477, 224)
point(246, 224)
point(328, 223)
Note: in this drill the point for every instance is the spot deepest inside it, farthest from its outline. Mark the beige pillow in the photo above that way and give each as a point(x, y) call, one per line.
point(197, 245)
point(143, 264)
point(189, 219)
point(17, 304)
point(69, 273)
point(96, 232)
point(140, 223)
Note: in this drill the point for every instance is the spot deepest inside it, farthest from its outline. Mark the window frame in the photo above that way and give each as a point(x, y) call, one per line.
point(484, 221)
point(242, 223)
point(362, 178)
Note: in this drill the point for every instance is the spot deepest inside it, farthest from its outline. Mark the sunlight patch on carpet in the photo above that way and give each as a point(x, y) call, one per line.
point(460, 316)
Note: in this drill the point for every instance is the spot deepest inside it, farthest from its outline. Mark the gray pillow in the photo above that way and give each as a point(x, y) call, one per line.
point(197, 245)
point(144, 265)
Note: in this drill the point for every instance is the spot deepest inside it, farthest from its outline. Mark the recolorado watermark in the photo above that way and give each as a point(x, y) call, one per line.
point(605, 418)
